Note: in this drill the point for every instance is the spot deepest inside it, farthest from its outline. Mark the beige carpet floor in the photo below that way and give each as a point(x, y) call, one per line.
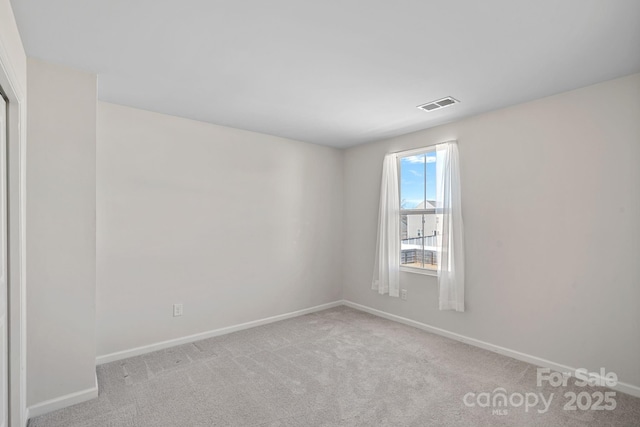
point(339, 367)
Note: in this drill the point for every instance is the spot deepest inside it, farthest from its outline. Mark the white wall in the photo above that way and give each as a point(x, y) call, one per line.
point(235, 225)
point(551, 203)
point(61, 231)
point(12, 45)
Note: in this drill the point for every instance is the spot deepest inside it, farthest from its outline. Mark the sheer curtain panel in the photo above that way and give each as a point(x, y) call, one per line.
point(386, 273)
point(450, 242)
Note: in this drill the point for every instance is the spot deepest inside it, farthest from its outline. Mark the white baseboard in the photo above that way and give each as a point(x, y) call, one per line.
point(208, 334)
point(62, 401)
point(621, 386)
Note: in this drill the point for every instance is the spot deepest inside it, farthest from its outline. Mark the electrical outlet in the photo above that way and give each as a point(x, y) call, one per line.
point(403, 294)
point(177, 310)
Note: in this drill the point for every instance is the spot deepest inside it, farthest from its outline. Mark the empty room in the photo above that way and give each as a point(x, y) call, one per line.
point(331, 213)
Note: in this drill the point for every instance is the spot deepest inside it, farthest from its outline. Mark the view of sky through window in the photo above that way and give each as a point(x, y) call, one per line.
point(412, 180)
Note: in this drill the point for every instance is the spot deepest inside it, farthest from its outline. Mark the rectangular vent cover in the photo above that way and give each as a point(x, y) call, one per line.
point(440, 103)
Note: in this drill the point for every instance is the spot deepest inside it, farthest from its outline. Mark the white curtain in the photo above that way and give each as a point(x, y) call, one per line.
point(451, 241)
point(386, 273)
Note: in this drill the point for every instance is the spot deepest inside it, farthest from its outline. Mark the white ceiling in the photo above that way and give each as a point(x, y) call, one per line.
point(333, 72)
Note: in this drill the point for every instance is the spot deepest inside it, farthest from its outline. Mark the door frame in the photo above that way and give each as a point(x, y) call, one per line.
point(16, 233)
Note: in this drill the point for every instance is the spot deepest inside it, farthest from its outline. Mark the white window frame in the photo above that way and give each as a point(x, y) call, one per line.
point(401, 155)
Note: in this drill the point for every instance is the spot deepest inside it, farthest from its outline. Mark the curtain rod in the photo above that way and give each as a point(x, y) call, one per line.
point(417, 150)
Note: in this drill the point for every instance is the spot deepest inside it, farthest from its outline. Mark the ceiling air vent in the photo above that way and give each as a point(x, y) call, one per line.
point(440, 103)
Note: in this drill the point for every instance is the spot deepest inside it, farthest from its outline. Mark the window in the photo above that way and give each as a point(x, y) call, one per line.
point(420, 226)
point(419, 223)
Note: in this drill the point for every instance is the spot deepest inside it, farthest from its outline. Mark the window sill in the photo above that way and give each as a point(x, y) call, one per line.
point(423, 271)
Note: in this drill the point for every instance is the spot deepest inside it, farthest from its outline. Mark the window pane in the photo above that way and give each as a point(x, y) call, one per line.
point(431, 178)
point(418, 241)
point(412, 182)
